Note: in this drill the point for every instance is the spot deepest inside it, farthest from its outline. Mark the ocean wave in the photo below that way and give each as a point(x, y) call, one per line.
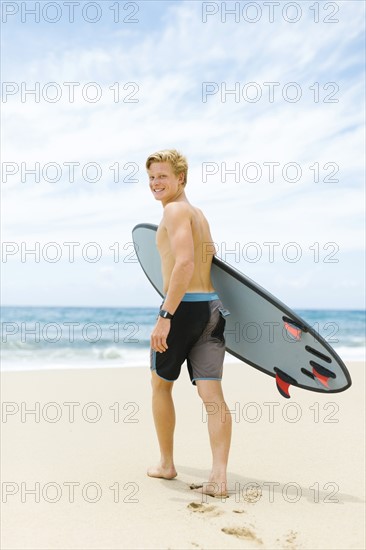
point(113, 356)
point(122, 335)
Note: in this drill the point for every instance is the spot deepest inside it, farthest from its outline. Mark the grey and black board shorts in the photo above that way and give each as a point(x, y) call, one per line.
point(196, 335)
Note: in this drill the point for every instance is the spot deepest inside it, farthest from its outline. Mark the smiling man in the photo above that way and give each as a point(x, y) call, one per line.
point(190, 325)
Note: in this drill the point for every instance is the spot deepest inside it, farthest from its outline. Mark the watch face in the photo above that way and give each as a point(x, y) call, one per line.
point(165, 314)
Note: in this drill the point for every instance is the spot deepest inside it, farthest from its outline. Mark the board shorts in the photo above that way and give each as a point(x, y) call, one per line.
point(196, 335)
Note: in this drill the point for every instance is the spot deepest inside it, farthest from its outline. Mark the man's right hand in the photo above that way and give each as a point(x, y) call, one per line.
point(160, 334)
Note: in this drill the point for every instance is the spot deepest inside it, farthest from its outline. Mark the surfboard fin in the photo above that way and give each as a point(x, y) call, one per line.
point(321, 373)
point(313, 377)
point(294, 328)
point(283, 382)
point(308, 373)
point(294, 331)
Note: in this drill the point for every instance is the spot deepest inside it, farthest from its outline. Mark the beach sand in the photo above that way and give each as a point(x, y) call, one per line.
point(81, 483)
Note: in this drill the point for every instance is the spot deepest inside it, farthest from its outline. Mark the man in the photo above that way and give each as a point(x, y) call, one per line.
point(190, 325)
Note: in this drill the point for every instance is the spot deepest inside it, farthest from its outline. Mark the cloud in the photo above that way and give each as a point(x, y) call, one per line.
point(169, 57)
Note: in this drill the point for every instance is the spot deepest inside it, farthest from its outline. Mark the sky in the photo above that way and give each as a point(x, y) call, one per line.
point(266, 102)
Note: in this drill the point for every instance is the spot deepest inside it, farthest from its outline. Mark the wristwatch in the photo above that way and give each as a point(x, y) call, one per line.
point(165, 314)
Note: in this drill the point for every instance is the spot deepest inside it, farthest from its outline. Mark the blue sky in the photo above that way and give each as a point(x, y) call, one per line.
point(168, 55)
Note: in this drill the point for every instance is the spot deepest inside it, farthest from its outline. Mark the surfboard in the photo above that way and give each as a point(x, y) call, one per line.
point(260, 330)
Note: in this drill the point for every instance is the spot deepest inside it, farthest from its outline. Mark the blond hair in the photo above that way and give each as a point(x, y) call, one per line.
point(177, 161)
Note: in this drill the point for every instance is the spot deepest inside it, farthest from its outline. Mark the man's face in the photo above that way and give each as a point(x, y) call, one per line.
point(164, 184)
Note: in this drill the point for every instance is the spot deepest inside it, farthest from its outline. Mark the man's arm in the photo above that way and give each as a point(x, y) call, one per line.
point(177, 220)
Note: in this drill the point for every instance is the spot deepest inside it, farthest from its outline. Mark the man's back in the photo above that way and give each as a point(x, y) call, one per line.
point(202, 244)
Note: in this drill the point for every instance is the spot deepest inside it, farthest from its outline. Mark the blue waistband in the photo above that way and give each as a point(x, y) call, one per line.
point(199, 296)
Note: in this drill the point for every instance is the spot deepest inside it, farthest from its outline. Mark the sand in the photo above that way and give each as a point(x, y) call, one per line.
point(79, 481)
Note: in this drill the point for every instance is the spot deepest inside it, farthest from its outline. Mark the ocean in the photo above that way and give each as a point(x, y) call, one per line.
point(83, 337)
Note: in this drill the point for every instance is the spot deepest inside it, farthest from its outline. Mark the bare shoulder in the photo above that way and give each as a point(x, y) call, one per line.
point(200, 213)
point(179, 210)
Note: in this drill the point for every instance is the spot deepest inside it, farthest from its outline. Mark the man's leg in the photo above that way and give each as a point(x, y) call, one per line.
point(164, 418)
point(219, 427)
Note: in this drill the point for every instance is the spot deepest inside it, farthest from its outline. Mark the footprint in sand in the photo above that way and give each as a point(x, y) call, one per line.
point(195, 485)
point(290, 542)
point(242, 533)
point(210, 510)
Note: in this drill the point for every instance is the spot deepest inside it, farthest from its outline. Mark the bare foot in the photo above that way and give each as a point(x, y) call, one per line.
point(159, 471)
point(213, 489)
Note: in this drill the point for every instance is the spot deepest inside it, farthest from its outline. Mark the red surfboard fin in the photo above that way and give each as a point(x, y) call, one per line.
point(283, 382)
point(322, 379)
point(321, 373)
point(294, 328)
point(294, 331)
